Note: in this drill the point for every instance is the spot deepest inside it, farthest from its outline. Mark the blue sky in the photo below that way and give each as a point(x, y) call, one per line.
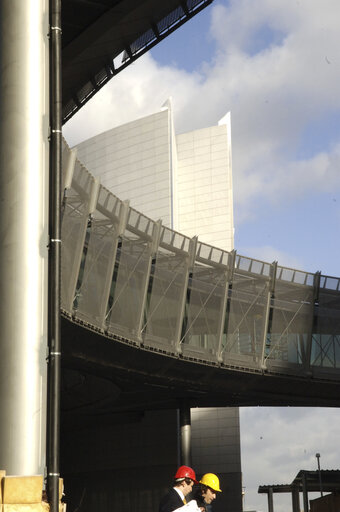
point(275, 65)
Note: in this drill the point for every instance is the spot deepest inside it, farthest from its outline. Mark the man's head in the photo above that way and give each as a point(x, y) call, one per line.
point(184, 479)
point(185, 485)
point(210, 485)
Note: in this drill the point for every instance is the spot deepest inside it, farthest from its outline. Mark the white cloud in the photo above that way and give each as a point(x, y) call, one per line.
point(277, 94)
point(138, 91)
point(274, 94)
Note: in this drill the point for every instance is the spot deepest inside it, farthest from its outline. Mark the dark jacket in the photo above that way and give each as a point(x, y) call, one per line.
point(197, 495)
point(170, 501)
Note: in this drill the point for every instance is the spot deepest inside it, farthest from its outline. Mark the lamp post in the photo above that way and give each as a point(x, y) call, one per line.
point(317, 455)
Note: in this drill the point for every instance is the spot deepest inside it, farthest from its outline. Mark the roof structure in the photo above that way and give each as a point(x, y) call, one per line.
point(330, 479)
point(330, 482)
point(102, 37)
point(305, 481)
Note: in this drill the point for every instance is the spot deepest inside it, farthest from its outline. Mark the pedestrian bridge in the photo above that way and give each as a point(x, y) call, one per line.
point(142, 300)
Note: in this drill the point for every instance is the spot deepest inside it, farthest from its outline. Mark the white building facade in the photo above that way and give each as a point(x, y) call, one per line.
point(185, 180)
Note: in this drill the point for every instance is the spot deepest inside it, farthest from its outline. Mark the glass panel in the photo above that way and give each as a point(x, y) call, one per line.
point(93, 293)
point(246, 318)
point(169, 280)
point(325, 351)
point(326, 333)
point(290, 324)
point(253, 266)
point(294, 276)
point(330, 283)
point(202, 319)
point(175, 240)
point(141, 223)
point(130, 282)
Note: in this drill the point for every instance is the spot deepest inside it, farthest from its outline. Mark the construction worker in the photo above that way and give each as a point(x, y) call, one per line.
point(184, 480)
point(206, 491)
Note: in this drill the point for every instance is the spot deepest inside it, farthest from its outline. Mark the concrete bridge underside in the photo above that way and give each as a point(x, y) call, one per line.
point(157, 315)
point(127, 377)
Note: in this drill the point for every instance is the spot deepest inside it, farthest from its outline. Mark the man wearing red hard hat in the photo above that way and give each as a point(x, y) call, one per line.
point(184, 479)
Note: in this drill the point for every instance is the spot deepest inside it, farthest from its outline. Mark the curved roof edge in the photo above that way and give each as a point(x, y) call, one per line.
point(98, 45)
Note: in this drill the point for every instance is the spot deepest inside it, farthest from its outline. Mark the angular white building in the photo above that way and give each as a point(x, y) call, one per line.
point(185, 180)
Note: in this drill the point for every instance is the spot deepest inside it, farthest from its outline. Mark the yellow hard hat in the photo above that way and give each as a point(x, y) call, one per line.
point(212, 481)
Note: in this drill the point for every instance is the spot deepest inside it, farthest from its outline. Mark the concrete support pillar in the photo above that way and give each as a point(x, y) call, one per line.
point(185, 434)
point(270, 500)
point(24, 123)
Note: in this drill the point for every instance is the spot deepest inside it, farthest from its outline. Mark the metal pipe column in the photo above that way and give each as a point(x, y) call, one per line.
point(54, 341)
point(295, 499)
point(270, 500)
point(305, 492)
point(319, 473)
point(23, 233)
point(185, 433)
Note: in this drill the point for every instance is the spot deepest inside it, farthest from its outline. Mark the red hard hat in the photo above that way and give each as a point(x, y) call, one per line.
point(185, 472)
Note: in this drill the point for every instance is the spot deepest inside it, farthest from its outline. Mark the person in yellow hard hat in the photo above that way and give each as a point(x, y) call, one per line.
point(205, 494)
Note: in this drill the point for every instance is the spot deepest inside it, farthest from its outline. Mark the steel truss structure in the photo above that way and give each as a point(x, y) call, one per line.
point(125, 274)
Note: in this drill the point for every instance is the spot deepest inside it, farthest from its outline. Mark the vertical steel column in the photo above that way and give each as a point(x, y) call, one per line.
point(268, 312)
point(295, 499)
point(185, 433)
point(319, 473)
point(152, 250)
point(54, 342)
point(23, 233)
point(183, 297)
point(223, 308)
point(313, 322)
point(221, 320)
point(305, 492)
point(123, 215)
point(270, 500)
